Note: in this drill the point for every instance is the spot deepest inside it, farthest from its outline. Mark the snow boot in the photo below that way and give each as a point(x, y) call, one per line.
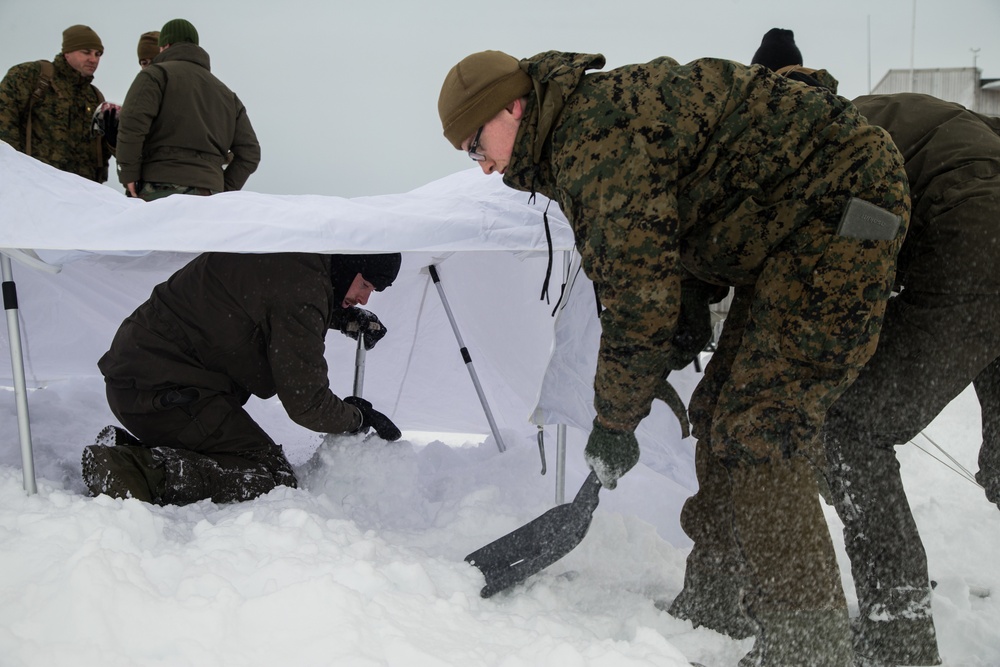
point(898, 630)
point(112, 436)
point(224, 478)
point(125, 471)
point(713, 595)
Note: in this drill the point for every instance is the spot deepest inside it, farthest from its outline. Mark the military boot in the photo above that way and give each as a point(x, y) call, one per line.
point(712, 597)
point(125, 471)
point(897, 630)
point(224, 478)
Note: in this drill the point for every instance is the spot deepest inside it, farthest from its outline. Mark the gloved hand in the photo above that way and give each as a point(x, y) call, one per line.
point(372, 418)
point(353, 322)
point(105, 122)
point(611, 453)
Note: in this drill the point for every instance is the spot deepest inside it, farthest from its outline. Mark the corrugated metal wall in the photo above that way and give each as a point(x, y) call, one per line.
point(955, 84)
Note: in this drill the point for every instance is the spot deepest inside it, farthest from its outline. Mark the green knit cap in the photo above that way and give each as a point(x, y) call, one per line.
point(80, 37)
point(176, 31)
point(476, 89)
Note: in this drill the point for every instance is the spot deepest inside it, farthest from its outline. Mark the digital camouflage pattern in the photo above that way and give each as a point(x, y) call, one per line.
point(734, 176)
point(738, 177)
point(61, 121)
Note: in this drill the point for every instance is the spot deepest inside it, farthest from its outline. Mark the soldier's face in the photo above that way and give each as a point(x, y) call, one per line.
point(496, 140)
point(84, 61)
point(358, 292)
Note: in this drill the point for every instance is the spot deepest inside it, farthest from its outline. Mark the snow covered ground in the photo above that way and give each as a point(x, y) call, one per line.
point(363, 565)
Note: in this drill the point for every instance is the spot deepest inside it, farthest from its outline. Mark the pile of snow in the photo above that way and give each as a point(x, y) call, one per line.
point(363, 564)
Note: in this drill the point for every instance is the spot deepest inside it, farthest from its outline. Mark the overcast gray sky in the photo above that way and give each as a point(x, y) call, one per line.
point(343, 95)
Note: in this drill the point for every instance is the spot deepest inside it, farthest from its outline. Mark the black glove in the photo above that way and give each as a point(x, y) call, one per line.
point(372, 418)
point(353, 322)
point(105, 122)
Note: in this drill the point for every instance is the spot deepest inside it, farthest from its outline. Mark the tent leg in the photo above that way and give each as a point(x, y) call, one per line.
point(560, 464)
point(432, 269)
point(17, 369)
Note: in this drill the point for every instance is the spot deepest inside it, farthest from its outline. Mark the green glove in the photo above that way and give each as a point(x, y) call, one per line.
point(611, 453)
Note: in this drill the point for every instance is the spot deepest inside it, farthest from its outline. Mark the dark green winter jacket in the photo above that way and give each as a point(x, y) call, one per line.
point(179, 122)
point(238, 324)
point(953, 164)
point(60, 120)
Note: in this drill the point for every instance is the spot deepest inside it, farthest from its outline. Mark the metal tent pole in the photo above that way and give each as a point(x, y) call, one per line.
point(432, 269)
point(560, 464)
point(359, 366)
point(17, 369)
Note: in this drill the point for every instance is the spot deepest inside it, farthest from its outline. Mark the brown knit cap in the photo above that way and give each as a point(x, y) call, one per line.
point(79, 37)
point(476, 89)
point(148, 47)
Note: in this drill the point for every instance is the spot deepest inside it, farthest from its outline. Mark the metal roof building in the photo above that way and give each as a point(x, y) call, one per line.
point(955, 84)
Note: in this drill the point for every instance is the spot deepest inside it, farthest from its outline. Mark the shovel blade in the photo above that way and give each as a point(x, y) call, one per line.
point(534, 546)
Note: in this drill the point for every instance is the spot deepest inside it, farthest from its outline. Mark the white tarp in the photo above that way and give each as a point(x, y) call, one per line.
point(487, 240)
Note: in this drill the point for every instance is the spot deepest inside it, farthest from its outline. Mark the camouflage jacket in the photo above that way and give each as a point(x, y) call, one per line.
point(178, 123)
point(664, 168)
point(60, 122)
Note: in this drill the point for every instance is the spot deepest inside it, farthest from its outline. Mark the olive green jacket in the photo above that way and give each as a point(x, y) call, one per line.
point(179, 122)
point(953, 165)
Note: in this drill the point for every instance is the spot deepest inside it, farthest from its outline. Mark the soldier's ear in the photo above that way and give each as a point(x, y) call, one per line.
point(516, 108)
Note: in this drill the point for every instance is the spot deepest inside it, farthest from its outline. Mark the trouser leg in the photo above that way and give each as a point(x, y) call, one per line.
point(795, 595)
point(988, 390)
point(932, 346)
point(203, 445)
point(714, 575)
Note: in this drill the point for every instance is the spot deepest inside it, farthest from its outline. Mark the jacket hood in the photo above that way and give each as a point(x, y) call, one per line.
point(555, 75)
point(813, 77)
point(187, 52)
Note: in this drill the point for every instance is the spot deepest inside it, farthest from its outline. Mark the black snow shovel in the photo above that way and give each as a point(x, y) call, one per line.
point(534, 546)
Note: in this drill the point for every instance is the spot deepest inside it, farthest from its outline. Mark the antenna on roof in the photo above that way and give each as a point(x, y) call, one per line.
point(913, 46)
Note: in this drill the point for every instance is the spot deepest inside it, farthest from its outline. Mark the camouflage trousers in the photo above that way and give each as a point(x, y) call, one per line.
point(792, 342)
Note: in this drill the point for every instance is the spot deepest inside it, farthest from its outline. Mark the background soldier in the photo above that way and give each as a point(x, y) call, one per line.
point(47, 108)
point(180, 123)
point(148, 48)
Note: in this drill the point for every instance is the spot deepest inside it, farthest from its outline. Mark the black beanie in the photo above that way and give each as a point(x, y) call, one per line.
point(380, 270)
point(777, 50)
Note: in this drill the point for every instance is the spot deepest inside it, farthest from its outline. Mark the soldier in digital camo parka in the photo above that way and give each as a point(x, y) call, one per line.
point(738, 177)
point(60, 114)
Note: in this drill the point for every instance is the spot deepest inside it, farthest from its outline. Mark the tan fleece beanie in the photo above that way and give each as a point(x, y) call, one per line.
point(476, 89)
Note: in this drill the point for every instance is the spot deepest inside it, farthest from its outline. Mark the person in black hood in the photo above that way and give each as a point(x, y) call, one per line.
point(223, 328)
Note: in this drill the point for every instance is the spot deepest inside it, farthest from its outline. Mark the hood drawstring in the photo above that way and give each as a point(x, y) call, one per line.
point(548, 241)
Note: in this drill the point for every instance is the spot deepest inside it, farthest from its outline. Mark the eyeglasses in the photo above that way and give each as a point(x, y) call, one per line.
point(474, 146)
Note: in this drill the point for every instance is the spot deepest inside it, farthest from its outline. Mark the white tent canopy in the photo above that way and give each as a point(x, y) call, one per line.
point(487, 241)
